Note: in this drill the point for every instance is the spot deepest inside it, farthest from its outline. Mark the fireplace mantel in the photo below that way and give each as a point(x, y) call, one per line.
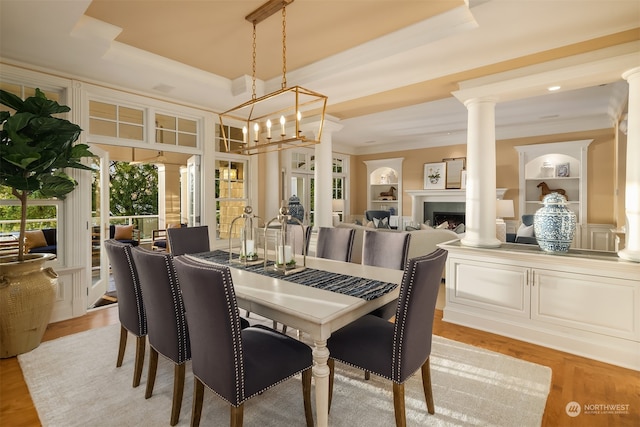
point(419, 197)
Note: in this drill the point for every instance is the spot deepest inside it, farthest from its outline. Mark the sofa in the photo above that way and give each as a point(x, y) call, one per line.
point(42, 241)
point(525, 234)
point(422, 242)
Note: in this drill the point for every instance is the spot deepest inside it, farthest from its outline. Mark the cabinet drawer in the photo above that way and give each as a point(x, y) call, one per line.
point(592, 303)
point(499, 288)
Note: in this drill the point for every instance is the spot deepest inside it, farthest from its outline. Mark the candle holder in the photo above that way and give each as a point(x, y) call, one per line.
point(250, 240)
point(288, 256)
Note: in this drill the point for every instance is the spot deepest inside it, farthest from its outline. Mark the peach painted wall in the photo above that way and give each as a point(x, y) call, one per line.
point(601, 181)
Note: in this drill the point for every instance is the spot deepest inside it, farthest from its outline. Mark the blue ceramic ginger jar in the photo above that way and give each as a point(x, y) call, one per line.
point(554, 224)
point(296, 210)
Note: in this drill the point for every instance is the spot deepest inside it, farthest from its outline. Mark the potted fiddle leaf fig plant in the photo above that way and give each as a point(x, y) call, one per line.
point(35, 149)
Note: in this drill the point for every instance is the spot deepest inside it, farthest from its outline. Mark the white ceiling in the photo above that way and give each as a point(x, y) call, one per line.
point(389, 84)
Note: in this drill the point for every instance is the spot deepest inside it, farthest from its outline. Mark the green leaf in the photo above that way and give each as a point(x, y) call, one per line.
point(10, 100)
point(58, 185)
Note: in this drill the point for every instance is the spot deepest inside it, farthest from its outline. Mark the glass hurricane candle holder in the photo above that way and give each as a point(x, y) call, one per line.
point(283, 253)
point(250, 239)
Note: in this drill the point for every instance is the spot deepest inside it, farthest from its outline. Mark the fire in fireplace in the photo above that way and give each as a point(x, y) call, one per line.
point(453, 218)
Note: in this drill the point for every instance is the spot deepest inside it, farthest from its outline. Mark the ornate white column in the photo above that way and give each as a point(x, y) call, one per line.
point(631, 252)
point(480, 220)
point(323, 176)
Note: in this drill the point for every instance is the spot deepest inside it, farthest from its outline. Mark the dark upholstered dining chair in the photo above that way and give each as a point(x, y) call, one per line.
point(130, 305)
point(188, 240)
point(396, 350)
point(237, 364)
point(335, 243)
point(168, 333)
point(386, 249)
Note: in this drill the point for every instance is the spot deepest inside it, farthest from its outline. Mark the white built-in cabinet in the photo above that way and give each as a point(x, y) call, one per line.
point(382, 176)
point(561, 165)
point(583, 302)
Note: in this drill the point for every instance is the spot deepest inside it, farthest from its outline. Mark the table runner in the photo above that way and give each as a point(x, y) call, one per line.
point(359, 287)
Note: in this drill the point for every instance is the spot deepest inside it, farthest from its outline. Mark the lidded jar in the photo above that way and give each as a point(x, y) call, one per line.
point(554, 224)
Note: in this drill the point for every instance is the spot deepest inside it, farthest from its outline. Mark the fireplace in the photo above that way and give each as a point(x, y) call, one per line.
point(452, 218)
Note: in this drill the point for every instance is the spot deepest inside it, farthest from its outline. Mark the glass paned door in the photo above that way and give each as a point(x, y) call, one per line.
point(99, 226)
point(193, 190)
point(302, 186)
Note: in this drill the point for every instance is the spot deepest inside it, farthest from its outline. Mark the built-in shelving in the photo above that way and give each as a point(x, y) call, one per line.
point(382, 176)
point(559, 165)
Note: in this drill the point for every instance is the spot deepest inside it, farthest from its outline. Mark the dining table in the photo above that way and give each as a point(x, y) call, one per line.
point(325, 296)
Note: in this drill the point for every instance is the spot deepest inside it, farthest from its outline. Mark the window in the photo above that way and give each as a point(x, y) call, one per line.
point(235, 137)
point(116, 121)
point(173, 130)
point(41, 213)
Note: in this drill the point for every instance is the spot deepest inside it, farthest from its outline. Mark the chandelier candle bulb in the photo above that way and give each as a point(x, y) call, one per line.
point(282, 123)
point(244, 134)
point(269, 129)
point(256, 129)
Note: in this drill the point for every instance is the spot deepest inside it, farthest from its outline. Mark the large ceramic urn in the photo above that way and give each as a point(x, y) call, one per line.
point(554, 224)
point(27, 293)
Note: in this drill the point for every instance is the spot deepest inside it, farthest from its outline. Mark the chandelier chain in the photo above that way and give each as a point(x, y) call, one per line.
point(284, 47)
point(253, 75)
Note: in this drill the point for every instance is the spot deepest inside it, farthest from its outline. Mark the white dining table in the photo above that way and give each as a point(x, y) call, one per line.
point(314, 311)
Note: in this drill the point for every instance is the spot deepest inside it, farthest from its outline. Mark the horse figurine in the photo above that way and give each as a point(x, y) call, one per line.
point(389, 195)
point(544, 188)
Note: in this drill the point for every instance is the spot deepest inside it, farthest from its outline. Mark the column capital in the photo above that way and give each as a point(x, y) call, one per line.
point(481, 100)
point(633, 73)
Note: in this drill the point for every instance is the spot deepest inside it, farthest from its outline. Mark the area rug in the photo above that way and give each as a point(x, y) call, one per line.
point(74, 382)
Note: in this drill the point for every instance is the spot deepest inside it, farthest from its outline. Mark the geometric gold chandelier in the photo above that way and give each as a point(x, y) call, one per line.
point(290, 117)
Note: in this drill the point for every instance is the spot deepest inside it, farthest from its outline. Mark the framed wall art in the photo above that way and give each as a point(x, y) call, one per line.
point(455, 166)
point(435, 176)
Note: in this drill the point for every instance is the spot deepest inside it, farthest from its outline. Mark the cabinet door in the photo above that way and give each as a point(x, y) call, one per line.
point(497, 287)
point(592, 303)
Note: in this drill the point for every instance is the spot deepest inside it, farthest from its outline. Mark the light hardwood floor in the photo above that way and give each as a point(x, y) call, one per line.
point(574, 378)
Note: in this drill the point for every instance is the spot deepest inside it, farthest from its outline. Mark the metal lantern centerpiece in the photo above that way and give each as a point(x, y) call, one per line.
point(249, 240)
point(281, 244)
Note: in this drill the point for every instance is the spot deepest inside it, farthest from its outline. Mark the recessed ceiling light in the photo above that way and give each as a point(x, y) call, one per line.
point(553, 88)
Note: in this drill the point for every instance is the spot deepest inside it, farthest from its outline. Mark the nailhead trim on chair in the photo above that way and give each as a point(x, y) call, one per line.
point(142, 315)
point(179, 307)
point(237, 348)
point(405, 295)
point(238, 356)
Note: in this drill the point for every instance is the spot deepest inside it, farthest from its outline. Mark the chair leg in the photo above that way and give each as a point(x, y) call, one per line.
point(196, 406)
point(398, 404)
point(426, 385)
point(367, 375)
point(248, 312)
point(123, 345)
point(178, 389)
point(306, 393)
point(140, 349)
point(236, 415)
point(151, 376)
point(332, 367)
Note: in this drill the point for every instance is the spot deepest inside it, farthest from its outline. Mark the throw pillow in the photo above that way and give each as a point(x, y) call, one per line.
point(425, 227)
point(35, 239)
point(123, 232)
point(381, 223)
point(443, 225)
point(525, 231)
point(460, 228)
